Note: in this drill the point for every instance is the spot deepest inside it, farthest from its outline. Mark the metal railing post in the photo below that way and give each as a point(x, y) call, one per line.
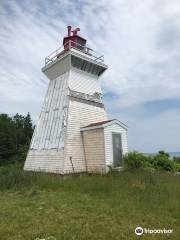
point(70, 44)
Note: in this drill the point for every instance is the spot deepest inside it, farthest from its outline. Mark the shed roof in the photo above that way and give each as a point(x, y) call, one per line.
point(103, 124)
point(98, 123)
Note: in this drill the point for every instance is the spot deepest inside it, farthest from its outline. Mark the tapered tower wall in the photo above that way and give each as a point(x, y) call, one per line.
point(45, 160)
point(73, 100)
point(46, 151)
point(84, 82)
point(80, 113)
point(49, 132)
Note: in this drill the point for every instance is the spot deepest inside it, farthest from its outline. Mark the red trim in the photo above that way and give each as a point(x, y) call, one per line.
point(73, 38)
point(98, 123)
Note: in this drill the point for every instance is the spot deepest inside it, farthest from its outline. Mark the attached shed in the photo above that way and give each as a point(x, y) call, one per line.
point(105, 143)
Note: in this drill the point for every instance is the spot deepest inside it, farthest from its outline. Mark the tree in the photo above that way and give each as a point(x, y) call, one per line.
point(163, 153)
point(15, 137)
point(28, 128)
point(7, 131)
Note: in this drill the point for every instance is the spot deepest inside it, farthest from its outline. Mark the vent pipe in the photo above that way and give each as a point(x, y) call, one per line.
point(69, 31)
point(75, 31)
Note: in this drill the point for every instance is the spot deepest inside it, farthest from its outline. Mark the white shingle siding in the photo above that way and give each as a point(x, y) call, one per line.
point(94, 150)
point(59, 125)
point(48, 132)
point(57, 145)
point(79, 115)
point(83, 82)
point(50, 160)
point(108, 130)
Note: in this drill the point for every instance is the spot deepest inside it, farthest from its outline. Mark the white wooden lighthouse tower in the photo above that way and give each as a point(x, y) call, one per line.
point(72, 102)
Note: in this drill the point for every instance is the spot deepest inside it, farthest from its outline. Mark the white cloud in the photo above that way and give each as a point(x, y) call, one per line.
point(140, 40)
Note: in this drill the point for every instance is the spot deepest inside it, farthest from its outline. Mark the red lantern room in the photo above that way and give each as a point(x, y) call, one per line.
point(73, 40)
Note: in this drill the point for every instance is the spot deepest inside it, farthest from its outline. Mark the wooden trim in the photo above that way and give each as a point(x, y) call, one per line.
point(101, 105)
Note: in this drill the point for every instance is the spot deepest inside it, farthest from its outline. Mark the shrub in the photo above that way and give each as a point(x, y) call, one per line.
point(162, 162)
point(134, 160)
point(164, 153)
point(176, 159)
point(177, 167)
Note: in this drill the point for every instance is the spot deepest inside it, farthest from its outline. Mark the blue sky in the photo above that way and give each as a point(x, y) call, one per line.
point(141, 44)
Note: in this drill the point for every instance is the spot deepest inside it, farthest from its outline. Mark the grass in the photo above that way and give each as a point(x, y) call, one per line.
point(41, 206)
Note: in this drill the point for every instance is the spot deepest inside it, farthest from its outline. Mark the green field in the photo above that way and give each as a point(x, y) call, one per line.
point(40, 206)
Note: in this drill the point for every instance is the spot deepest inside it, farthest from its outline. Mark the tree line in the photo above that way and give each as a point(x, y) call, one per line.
point(15, 136)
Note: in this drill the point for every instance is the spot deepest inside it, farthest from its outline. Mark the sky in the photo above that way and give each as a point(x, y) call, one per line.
point(141, 44)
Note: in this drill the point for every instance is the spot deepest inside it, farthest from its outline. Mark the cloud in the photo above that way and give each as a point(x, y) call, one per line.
point(140, 41)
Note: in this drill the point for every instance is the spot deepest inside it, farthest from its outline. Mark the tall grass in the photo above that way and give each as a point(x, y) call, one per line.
point(13, 177)
point(37, 205)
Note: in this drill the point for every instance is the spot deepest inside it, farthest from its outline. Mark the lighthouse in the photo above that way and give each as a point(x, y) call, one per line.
point(73, 133)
